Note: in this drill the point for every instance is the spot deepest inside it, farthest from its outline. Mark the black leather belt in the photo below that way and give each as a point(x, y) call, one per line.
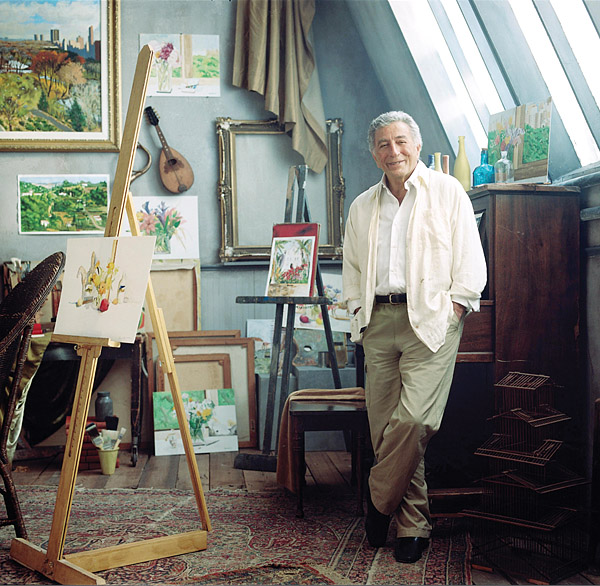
point(393, 298)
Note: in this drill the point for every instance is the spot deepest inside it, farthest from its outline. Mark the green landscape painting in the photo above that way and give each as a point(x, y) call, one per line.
point(59, 204)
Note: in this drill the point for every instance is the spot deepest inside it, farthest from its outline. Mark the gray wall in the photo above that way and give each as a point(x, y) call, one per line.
point(350, 91)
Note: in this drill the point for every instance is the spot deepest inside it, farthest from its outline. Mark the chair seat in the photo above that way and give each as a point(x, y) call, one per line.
point(329, 415)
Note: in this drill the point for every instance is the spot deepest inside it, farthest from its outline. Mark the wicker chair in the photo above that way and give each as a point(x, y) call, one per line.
point(17, 312)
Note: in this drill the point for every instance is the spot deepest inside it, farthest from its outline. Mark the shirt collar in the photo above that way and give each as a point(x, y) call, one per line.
point(420, 174)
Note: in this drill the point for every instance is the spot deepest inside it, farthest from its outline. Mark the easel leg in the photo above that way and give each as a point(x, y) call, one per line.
point(51, 563)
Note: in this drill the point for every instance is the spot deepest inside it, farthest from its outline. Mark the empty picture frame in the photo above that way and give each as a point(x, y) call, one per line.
point(197, 372)
point(241, 354)
point(152, 348)
point(176, 285)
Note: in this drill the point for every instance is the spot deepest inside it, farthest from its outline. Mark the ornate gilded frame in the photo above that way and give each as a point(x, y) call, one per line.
point(108, 139)
point(231, 249)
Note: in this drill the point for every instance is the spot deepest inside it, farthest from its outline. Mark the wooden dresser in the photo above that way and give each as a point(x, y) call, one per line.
point(529, 319)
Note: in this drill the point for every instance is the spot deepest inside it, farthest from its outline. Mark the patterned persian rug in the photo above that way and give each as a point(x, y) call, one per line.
point(256, 539)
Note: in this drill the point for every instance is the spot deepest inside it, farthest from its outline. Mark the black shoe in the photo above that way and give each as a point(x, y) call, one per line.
point(376, 524)
point(408, 550)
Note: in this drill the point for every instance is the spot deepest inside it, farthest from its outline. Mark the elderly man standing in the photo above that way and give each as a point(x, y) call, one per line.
point(413, 268)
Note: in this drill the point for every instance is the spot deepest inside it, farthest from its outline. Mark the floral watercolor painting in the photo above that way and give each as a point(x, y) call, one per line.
point(63, 204)
point(183, 65)
point(524, 133)
point(291, 266)
point(211, 418)
point(103, 287)
point(174, 222)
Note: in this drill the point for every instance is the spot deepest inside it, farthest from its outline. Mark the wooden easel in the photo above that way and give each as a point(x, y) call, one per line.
point(266, 461)
point(79, 568)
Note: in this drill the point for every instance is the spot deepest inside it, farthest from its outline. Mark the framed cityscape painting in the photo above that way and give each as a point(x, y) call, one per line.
point(59, 86)
point(293, 263)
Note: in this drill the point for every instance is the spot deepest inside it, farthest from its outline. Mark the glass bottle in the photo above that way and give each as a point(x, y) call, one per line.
point(438, 161)
point(503, 169)
point(485, 172)
point(462, 169)
point(103, 406)
point(431, 162)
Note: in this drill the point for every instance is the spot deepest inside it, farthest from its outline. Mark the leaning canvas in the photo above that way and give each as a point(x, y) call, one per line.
point(211, 418)
point(293, 261)
point(104, 286)
point(524, 133)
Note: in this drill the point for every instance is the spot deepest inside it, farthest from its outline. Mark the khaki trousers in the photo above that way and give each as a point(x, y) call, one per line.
point(407, 387)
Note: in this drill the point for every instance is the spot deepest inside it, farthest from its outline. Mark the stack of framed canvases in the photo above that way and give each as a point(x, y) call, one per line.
point(215, 369)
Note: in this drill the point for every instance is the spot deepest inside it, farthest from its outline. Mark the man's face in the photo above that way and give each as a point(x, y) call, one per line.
point(395, 151)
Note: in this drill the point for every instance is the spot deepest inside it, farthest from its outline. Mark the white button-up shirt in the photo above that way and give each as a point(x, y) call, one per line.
point(444, 259)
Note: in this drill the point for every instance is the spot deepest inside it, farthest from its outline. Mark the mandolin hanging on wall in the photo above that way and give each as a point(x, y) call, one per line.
point(175, 172)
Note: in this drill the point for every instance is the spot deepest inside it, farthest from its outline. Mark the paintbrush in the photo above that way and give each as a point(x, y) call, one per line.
point(119, 438)
point(94, 434)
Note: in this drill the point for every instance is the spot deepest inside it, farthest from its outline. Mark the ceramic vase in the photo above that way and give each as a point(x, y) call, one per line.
point(462, 169)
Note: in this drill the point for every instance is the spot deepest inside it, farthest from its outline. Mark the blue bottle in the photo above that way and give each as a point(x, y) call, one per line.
point(485, 172)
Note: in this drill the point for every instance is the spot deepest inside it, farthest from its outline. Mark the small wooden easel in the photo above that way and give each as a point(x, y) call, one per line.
point(267, 461)
point(79, 568)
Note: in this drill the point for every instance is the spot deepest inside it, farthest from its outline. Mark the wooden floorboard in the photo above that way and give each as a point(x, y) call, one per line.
point(160, 472)
point(222, 472)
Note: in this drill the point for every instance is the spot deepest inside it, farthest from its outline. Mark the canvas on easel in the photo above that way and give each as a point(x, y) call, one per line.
point(293, 263)
point(104, 285)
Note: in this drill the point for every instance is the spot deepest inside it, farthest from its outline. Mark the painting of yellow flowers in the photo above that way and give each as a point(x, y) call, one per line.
point(104, 286)
point(210, 415)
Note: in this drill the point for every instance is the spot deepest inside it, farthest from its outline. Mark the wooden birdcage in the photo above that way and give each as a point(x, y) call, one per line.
point(528, 522)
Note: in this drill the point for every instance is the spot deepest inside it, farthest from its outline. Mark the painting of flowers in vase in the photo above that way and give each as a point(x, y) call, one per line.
point(103, 287)
point(211, 418)
point(183, 65)
point(174, 223)
point(524, 133)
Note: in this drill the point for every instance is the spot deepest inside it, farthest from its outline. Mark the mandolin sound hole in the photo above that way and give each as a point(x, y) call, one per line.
point(172, 162)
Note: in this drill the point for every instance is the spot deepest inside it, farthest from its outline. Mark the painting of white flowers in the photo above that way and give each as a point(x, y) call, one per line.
point(211, 417)
point(174, 222)
point(103, 287)
point(183, 65)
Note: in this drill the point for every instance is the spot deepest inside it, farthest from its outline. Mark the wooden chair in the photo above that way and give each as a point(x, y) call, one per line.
point(17, 313)
point(332, 415)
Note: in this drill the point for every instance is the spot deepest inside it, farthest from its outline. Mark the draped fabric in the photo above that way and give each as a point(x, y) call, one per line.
point(274, 57)
point(287, 469)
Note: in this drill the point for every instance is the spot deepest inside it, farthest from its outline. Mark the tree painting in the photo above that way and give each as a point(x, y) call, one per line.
point(291, 266)
point(62, 203)
point(50, 73)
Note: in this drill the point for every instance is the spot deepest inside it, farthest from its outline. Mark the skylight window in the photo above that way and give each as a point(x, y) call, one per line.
point(473, 57)
point(583, 38)
point(440, 74)
point(551, 69)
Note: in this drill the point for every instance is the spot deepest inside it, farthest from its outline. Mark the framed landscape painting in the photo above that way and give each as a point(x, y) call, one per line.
point(63, 204)
point(59, 75)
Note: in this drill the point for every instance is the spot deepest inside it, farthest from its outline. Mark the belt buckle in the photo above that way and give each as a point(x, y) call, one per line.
point(393, 302)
